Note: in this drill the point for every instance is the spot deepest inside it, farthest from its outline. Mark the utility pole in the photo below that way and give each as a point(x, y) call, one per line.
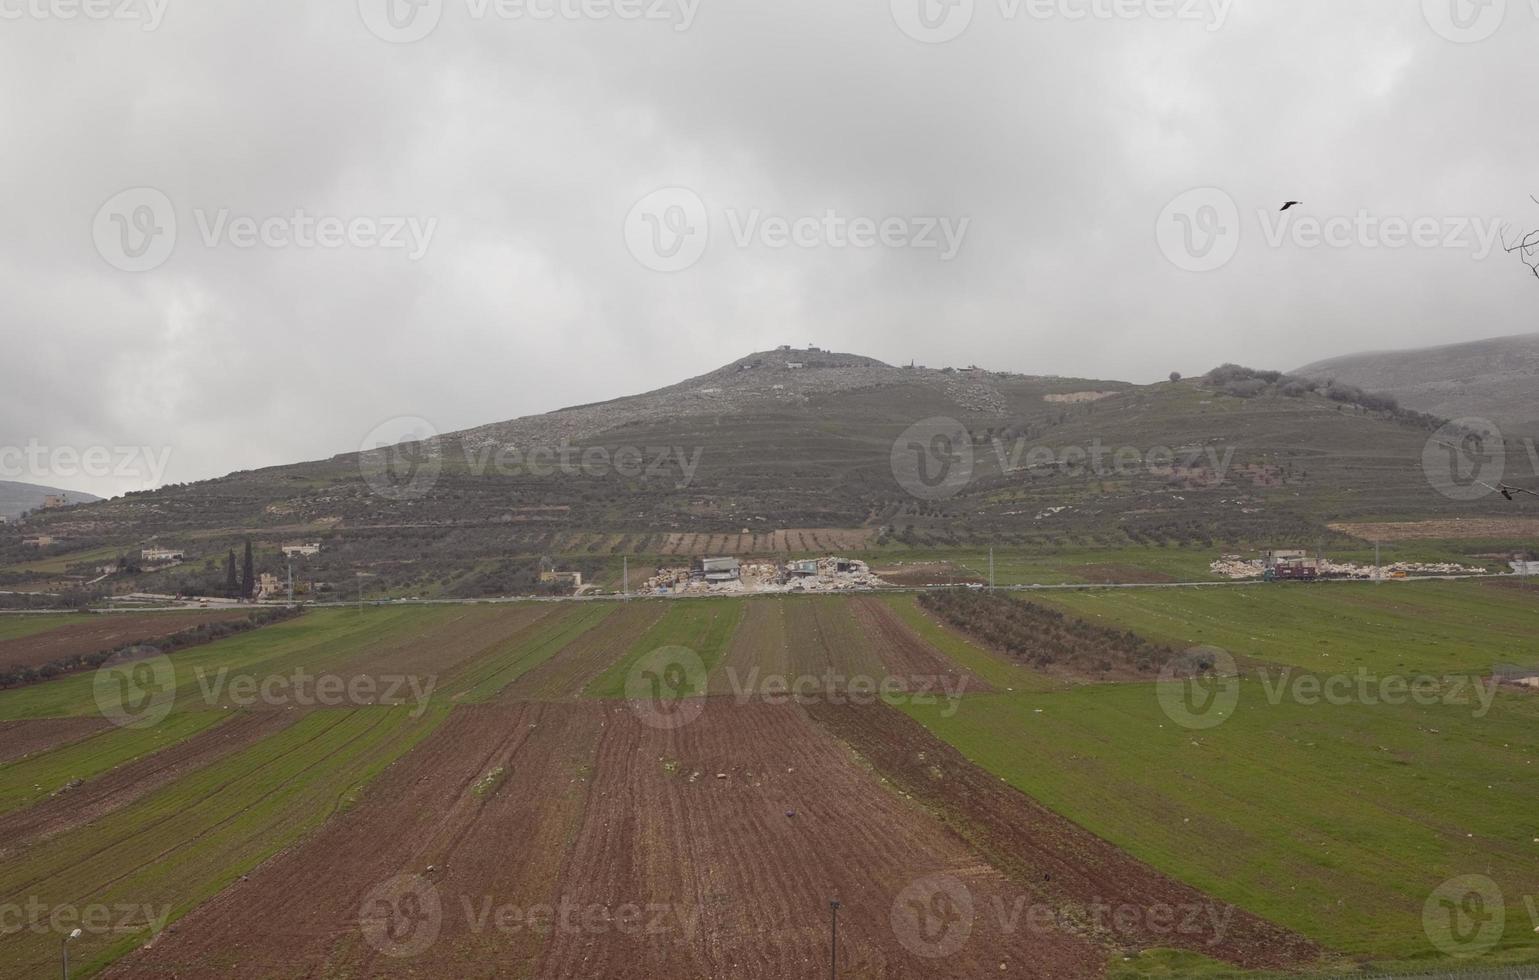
point(625, 564)
point(991, 569)
point(291, 579)
point(64, 951)
point(1378, 564)
point(833, 949)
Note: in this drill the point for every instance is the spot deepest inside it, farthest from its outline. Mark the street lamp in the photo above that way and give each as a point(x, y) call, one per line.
point(833, 949)
point(64, 951)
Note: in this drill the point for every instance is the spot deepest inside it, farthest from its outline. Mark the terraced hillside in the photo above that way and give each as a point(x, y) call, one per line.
point(761, 458)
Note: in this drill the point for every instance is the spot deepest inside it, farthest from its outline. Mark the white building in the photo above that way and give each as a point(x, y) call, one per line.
point(301, 550)
point(160, 555)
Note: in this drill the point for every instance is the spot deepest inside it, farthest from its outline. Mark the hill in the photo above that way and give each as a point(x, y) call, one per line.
point(803, 451)
point(1495, 379)
point(18, 498)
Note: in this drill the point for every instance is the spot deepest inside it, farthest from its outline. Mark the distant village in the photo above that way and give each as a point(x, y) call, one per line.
point(717, 576)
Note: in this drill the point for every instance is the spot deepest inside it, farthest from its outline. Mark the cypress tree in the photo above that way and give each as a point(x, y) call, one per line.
point(248, 575)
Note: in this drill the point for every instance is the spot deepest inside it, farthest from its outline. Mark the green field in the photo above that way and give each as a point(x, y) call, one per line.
point(704, 626)
point(484, 677)
point(28, 780)
point(165, 854)
point(320, 640)
point(14, 627)
point(1337, 819)
point(1392, 626)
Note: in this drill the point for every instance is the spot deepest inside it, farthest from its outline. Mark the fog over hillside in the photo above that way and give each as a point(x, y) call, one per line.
point(1497, 379)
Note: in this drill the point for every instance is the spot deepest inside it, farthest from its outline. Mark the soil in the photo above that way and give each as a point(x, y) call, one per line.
point(599, 814)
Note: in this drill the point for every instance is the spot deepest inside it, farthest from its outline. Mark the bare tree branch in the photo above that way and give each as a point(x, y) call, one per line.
point(1527, 247)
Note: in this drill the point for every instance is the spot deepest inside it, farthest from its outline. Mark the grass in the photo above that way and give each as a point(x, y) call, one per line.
point(28, 780)
point(1401, 627)
point(16, 627)
point(319, 640)
point(184, 843)
point(485, 676)
point(704, 626)
point(59, 564)
point(1337, 821)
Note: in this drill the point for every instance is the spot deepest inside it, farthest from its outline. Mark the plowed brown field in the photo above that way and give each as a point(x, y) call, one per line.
point(651, 865)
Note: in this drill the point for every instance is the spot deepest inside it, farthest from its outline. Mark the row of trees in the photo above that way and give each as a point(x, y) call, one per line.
point(243, 587)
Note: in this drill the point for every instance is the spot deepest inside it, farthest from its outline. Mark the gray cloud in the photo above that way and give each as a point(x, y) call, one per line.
point(528, 143)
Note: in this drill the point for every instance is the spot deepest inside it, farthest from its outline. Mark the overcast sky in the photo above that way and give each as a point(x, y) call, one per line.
point(1023, 185)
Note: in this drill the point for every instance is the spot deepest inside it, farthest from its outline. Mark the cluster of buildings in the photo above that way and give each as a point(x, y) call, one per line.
point(716, 575)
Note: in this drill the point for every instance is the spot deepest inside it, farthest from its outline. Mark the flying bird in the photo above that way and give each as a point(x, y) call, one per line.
point(1508, 491)
point(1291, 204)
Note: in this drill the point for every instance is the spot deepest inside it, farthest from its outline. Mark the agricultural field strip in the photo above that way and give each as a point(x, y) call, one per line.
point(576, 665)
point(996, 669)
point(485, 676)
point(1059, 862)
point(18, 627)
point(437, 646)
point(26, 781)
point(102, 634)
point(315, 641)
point(23, 739)
point(759, 644)
point(1440, 627)
point(728, 847)
point(127, 783)
point(103, 843)
point(218, 823)
point(702, 626)
point(1322, 802)
point(908, 657)
point(424, 811)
